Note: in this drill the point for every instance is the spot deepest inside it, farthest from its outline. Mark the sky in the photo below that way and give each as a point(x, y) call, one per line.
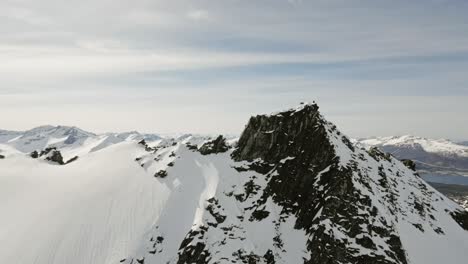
point(375, 67)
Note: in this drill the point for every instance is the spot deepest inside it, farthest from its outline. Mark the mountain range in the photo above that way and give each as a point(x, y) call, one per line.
point(291, 189)
point(437, 160)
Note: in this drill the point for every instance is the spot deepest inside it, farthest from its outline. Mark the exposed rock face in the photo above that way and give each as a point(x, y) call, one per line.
point(51, 154)
point(298, 143)
point(349, 201)
point(2, 157)
point(161, 174)
point(295, 190)
point(55, 156)
point(272, 138)
point(215, 146)
point(410, 164)
point(34, 154)
point(72, 160)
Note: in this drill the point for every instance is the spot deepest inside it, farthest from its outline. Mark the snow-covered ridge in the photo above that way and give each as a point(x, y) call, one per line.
point(292, 190)
point(441, 146)
point(71, 141)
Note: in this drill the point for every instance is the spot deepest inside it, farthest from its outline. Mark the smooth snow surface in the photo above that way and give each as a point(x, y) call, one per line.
point(95, 210)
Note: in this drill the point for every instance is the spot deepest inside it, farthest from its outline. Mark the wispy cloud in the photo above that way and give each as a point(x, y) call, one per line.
point(278, 50)
point(198, 14)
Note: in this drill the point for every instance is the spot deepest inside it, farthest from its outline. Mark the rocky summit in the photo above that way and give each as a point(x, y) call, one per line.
point(292, 189)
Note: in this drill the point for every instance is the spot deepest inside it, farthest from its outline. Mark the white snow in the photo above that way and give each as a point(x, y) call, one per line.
point(108, 206)
point(70, 214)
point(443, 146)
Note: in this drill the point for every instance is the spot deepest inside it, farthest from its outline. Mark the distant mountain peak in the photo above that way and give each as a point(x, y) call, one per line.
point(293, 190)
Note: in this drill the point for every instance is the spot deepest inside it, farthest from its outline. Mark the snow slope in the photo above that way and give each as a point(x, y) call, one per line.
point(91, 211)
point(294, 190)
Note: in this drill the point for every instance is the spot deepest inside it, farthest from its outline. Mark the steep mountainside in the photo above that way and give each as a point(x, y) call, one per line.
point(293, 190)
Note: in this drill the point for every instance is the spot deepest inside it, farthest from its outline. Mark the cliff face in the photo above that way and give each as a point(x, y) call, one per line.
point(295, 190)
point(314, 184)
point(294, 133)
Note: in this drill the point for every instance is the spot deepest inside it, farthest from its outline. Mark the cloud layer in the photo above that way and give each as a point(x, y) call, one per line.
point(376, 67)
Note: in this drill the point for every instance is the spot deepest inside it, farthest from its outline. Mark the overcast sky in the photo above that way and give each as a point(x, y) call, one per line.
point(375, 67)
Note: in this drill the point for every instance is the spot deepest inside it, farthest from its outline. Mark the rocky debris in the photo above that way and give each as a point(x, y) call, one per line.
point(55, 156)
point(34, 154)
point(47, 151)
point(212, 209)
point(409, 164)
point(161, 174)
point(378, 155)
point(147, 148)
point(461, 217)
point(194, 253)
point(192, 147)
point(218, 145)
point(51, 154)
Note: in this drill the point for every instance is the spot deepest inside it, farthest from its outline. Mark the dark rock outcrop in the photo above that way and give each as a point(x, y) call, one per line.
point(56, 157)
point(296, 155)
point(34, 154)
point(51, 154)
point(378, 155)
point(2, 157)
point(272, 138)
point(461, 217)
point(218, 145)
point(71, 160)
point(161, 174)
point(409, 163)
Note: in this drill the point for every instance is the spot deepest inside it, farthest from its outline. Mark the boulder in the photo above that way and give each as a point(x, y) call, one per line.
point(34, 154)
point(218, 145)
point(55, 156)
point(409, 163)
point(161, 174)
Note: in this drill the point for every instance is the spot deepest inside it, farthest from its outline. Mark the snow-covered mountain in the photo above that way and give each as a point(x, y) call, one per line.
point(439, 146)
point(71, 141)
point(293, 189)
point(439, 160)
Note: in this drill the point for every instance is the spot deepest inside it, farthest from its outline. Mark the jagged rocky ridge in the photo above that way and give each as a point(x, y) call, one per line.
point(292, 190)
point(298, 191)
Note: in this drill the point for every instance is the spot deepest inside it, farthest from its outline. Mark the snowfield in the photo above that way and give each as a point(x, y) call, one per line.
point(104, 207)
point(70, 214)
point(307, 196)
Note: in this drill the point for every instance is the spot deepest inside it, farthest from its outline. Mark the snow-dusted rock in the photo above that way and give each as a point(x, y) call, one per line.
point(293, 190)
